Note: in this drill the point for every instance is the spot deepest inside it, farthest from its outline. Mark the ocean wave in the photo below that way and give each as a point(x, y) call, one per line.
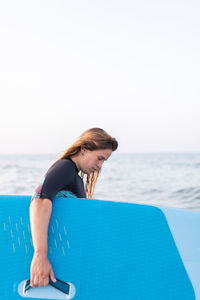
point(188, 190)
point(167, 179)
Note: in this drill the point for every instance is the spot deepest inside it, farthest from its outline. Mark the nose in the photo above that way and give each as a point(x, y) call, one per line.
point(100, 163)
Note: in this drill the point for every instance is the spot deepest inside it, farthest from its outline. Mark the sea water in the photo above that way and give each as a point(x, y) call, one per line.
point(166, 179)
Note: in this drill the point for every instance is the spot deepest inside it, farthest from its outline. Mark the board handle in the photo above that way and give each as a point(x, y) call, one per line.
point(59, 285)
point(54, 290)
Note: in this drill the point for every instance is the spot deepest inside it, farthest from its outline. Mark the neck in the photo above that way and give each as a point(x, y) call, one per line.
point(75, 159)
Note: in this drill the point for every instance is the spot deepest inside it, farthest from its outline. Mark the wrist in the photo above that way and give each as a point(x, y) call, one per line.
point(39, 252)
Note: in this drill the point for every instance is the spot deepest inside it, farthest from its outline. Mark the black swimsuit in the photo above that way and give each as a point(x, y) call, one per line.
point(62, 175)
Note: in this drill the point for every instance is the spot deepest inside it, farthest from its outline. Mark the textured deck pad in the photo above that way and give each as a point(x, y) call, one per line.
point(107, 250)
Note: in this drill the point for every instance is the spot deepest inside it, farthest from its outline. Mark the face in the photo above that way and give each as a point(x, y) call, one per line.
point(91, 161)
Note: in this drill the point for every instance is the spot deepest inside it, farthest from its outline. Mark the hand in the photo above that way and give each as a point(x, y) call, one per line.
point(41, 270)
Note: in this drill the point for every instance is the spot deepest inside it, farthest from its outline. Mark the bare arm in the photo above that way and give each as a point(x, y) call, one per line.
point(40, 213)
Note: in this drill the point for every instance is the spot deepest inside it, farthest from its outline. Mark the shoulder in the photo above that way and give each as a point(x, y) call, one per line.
point(62, 171)
point(63, 166)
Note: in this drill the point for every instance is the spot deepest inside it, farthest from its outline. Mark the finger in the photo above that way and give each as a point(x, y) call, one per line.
point(35, 281)
point(31, 280)
point(41, 281)
point(32, 284)
point(52, 276)
point(46, 281)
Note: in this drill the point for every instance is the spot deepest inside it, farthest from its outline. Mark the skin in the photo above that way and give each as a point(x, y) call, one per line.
point(40, 213)
point(91, 161)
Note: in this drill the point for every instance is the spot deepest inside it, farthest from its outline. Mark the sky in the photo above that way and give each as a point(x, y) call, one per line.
point(130, 67)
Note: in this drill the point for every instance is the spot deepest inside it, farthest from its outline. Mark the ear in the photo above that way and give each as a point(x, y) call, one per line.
point(82, 150)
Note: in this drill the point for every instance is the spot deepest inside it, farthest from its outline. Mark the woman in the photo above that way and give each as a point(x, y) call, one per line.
point(86, 155)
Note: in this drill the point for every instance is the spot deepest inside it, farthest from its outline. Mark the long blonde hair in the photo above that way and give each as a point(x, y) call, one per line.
point(91, 139)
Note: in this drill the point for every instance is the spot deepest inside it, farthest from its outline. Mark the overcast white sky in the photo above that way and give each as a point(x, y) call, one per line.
point(130, 67)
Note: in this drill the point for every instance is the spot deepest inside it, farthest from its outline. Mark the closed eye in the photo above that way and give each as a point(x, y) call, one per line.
point(101, 158)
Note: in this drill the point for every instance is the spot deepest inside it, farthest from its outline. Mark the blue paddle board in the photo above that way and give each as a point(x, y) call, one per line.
point(103, 250)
